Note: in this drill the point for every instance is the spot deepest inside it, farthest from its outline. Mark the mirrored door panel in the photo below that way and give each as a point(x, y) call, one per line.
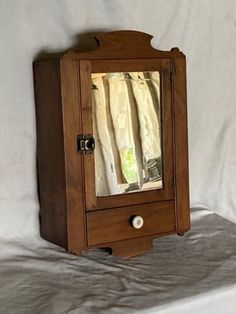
point(127, 129)
point(126, 107)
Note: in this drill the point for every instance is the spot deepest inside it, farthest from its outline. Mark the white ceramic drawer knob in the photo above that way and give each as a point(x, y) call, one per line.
point(137, 222)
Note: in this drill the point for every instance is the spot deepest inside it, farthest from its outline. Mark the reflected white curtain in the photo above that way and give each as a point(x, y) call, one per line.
point(148, 120)
point(126, 130)
point(106, 178)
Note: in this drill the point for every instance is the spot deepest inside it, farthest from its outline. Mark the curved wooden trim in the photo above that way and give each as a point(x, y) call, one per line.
point(124, 44)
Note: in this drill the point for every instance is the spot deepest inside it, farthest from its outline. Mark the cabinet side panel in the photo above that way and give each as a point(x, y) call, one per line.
point(181, 146)
point(50, 152)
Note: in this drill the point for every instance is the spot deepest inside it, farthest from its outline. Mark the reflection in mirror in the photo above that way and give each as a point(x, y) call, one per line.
point(126, 128)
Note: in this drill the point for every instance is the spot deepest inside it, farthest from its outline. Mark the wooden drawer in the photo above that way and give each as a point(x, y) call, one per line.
point(112, 225)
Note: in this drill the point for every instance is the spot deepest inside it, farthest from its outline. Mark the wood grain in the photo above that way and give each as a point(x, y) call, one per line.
point(181, 146)
point(72, 126)
point(113, 225)
point(66, 178)
point(50, 152)
point(86, 110)
point(123, 44)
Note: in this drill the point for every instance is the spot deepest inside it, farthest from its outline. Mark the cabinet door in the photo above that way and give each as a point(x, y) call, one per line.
point(126, 109)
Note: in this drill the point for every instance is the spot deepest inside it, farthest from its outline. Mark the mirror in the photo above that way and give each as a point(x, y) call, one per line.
point(127, 132)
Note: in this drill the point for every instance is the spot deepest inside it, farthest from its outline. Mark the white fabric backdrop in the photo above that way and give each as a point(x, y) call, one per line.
point(204, 29)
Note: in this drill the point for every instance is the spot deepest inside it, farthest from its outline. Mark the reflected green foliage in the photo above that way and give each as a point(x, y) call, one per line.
point(129, 165)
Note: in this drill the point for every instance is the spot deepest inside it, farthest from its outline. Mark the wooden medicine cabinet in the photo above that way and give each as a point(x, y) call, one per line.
point(112, 145)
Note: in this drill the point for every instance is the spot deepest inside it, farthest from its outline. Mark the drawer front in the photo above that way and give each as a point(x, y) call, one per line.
point(117, 224)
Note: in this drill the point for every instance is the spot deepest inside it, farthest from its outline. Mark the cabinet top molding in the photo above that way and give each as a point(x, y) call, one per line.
point(124, 44)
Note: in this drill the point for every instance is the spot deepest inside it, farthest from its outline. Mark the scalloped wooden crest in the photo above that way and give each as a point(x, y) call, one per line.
point(125, 38)
point(126, 44)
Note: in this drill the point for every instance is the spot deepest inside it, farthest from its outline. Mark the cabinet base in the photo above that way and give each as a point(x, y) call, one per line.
point(131, 247)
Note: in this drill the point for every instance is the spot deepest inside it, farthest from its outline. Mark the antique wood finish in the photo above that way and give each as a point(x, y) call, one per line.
point(71, 215)
point(181, 146)
point(132, 247)
point(167, 193)
point(72, 126)
point(124, 45)
point(86, 107)
point(59, 165)
point(50, 153)
point(105, 226)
